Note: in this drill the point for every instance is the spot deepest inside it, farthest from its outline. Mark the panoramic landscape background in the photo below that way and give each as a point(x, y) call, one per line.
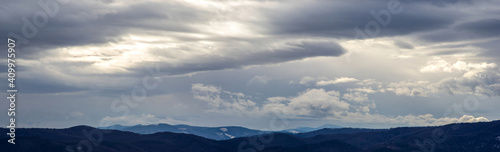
point(261, 66)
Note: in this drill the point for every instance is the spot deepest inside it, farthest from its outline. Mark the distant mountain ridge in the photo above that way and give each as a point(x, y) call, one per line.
point(333, 131)
point(466, 137)
point(309, 129)
point(217, 133)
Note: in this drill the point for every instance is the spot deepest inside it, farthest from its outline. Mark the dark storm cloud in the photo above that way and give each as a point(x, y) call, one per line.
point(97, 22)
point(441, 3)
point(491, 49)
point(294, 51)
point(36, 86)
point(403, 45)
point(486, 30)
point(93, 22)
point(478, 29)
point(104, 22)
point(338, 18)
point(484, 27)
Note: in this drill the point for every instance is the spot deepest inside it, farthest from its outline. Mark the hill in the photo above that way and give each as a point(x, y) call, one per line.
point(217, 133)
point(466, 137)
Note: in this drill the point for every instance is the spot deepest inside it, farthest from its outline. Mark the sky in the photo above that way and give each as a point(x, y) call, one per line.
point(261, 64)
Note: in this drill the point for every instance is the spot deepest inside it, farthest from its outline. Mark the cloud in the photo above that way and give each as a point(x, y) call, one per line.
point(403, 45)
point(411, 88)
point(407, 120)
point(462, 78)
point(306, 80)
point(319, 104)
point(458, 77)
point(476, 78)
point(356, 96)
point(258, 81)
point(482, 83)
point(204, 88)
point(221, 101)
point(118, 38)
point(471, 119)
point(210, 94)
point(440, 65)
point(309, 104)
point(336, 81)
point(238, 56)
point(324, 81)
point(73, 28)
point(338, 21)
point(485, 27)
point(368, 90)
point(429, 120)
point(313, 103)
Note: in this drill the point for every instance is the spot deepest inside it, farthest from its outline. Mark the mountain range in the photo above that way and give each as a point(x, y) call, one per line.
point(217, 133)
point(463, 137)
point(309, 129)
